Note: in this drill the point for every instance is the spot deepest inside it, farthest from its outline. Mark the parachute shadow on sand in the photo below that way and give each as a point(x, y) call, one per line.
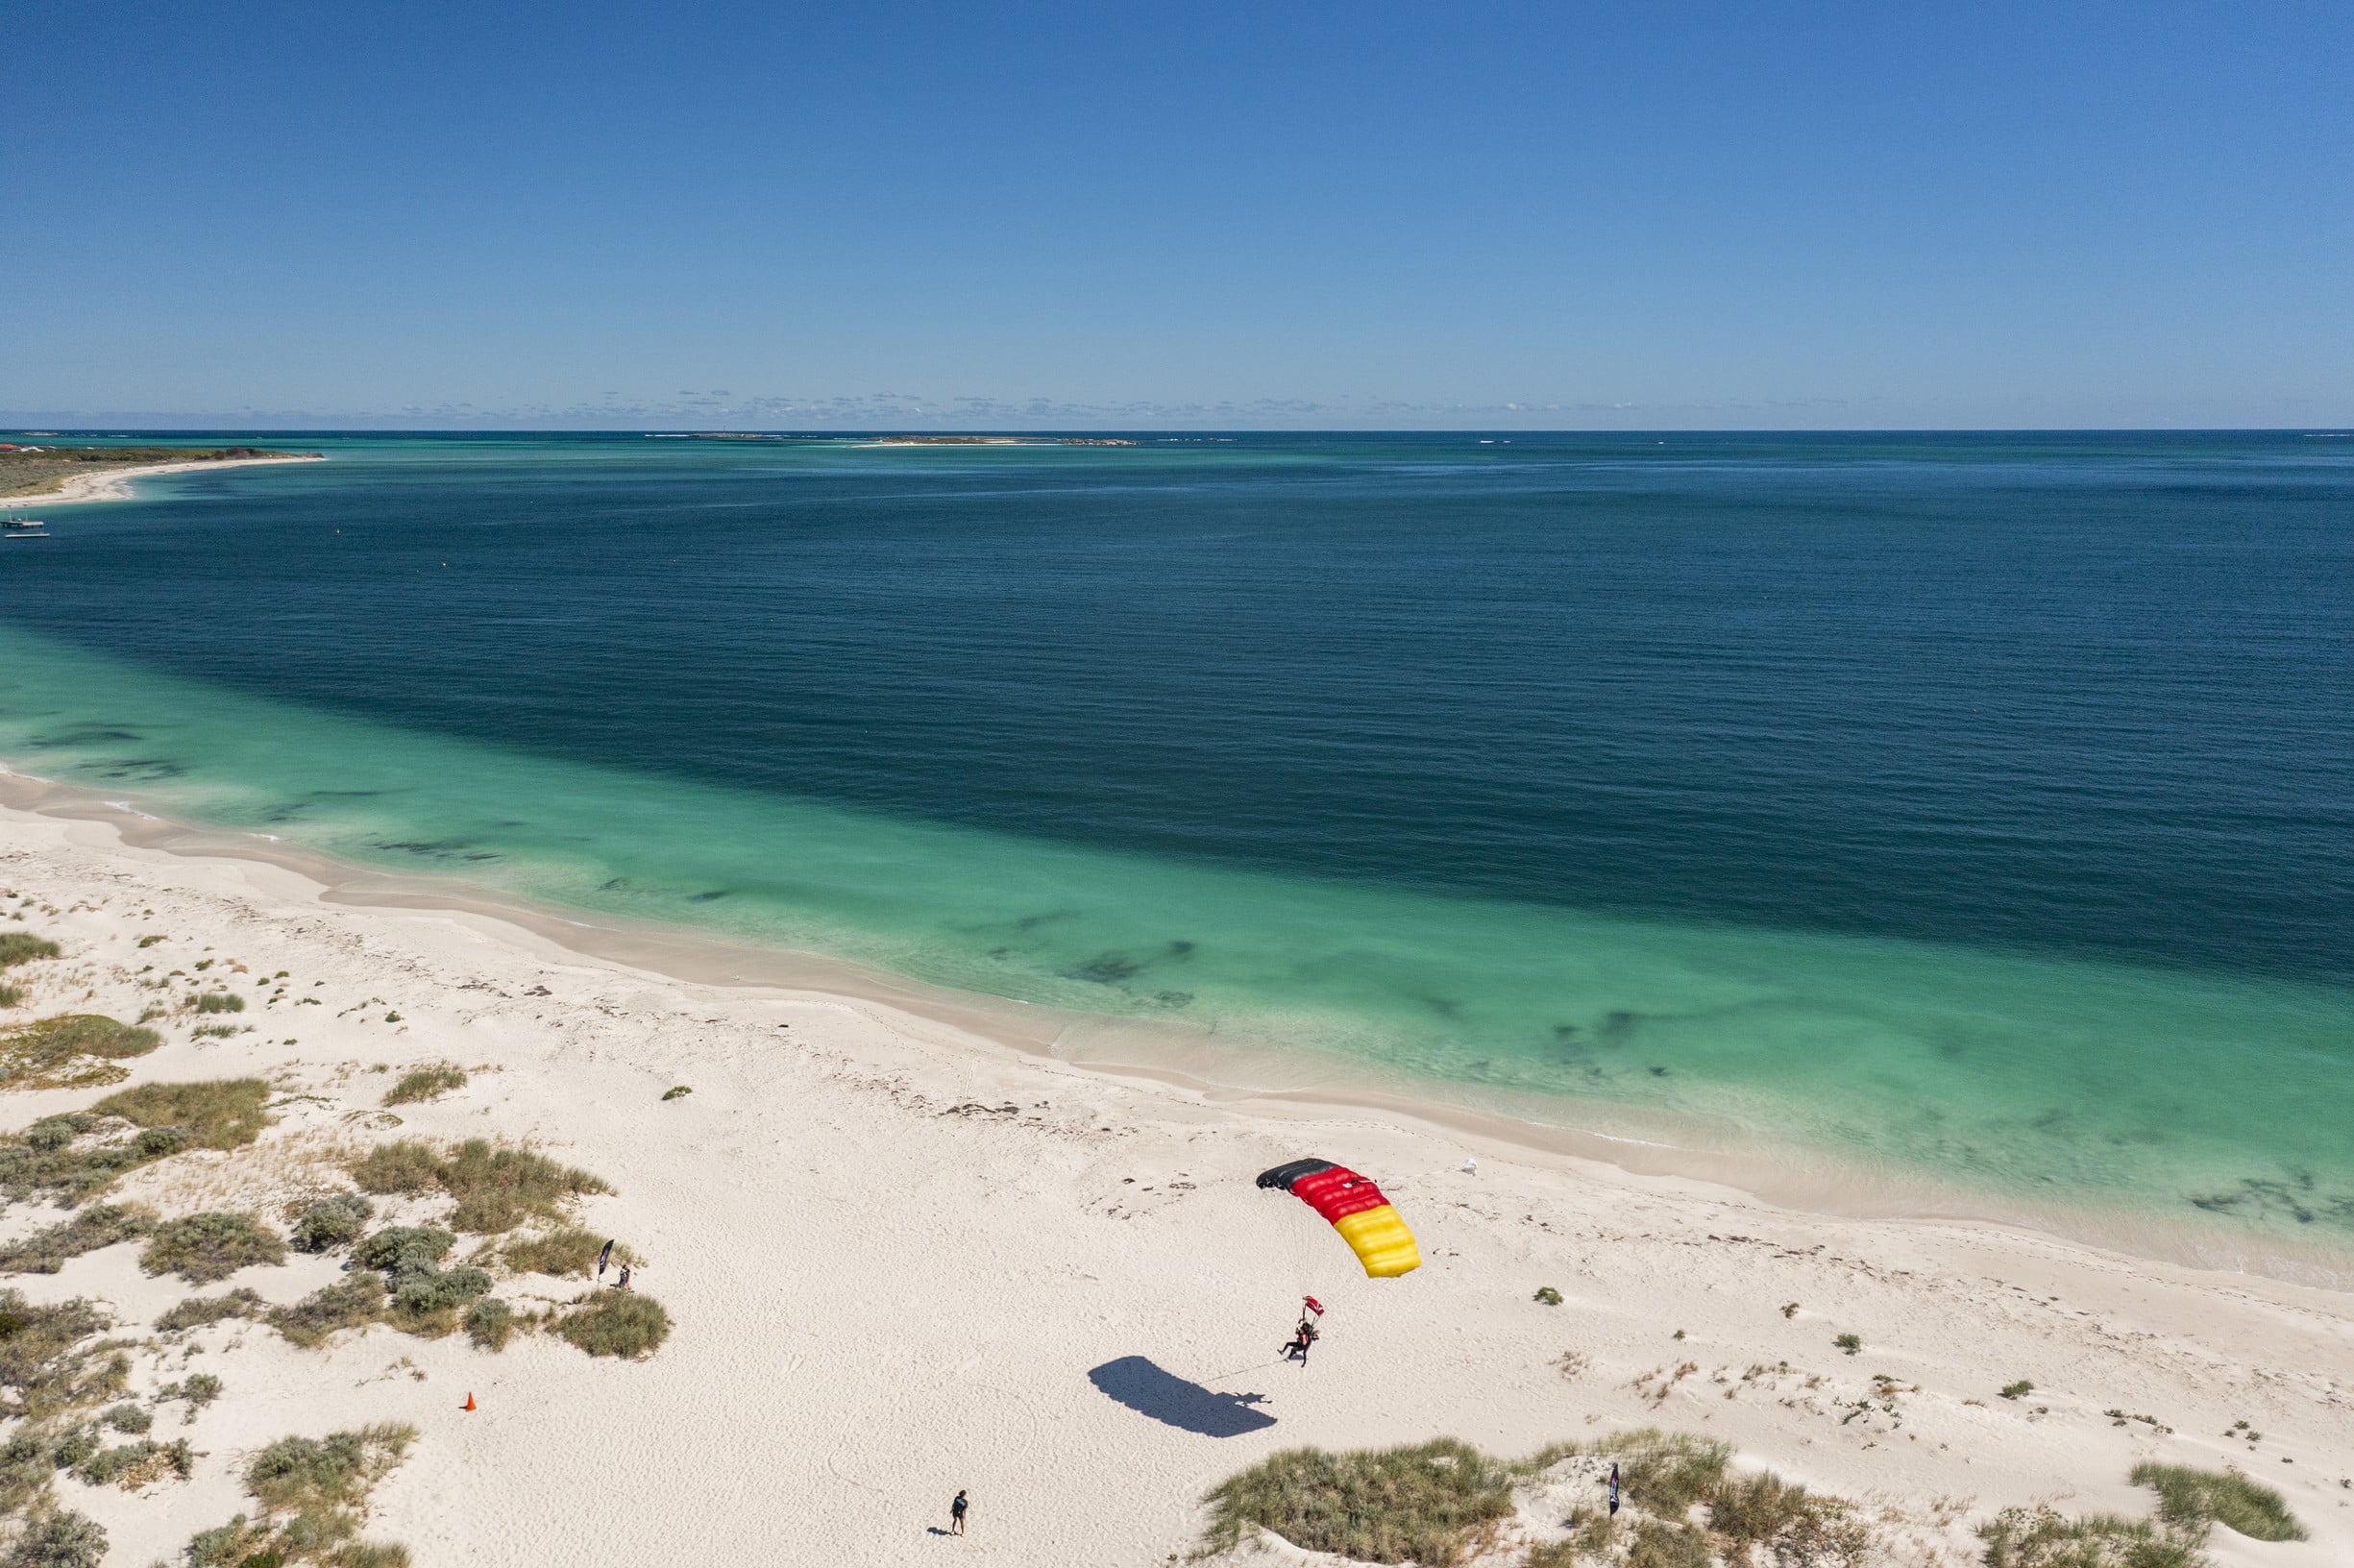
point(1146, 1389)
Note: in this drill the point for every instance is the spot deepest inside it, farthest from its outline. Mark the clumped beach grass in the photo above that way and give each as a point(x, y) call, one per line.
point(102, 1225)
point(205, 1249)
point(406, 1167)
point(617, 1323)
point(1430, 1503)
point(73, 1050)
point(2045, 1538)
point(426, 1084)
point(215, 1113)
point(1791, 1524)
point(1440, 1502)
point(202, 1312)
point(218, 1001)
point(497, 1186)
point(23, 947)
point(566, 1253)
point(311, 1494)
point(2191, 1499)
point(1667, 1472)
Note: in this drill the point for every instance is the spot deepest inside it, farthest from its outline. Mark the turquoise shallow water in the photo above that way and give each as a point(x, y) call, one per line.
point(2041, 1021)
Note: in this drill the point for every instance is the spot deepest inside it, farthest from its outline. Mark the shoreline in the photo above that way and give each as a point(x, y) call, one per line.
point(938, 1250)
point(1827, 1183)
point(114, 483)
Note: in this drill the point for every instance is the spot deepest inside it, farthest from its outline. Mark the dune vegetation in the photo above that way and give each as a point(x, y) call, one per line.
point(73, 1050)
point(1443, 1503)
point(43, 471)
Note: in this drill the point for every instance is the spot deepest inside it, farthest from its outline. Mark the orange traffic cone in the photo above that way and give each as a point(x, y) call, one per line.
point(470, 1399)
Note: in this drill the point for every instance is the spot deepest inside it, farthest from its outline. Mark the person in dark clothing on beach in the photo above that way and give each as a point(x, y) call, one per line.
point(1302, 1337)
point(956, 1515)
point(1614, 1488)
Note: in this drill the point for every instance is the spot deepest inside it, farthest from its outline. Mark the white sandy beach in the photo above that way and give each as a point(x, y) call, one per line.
point(114, 483)
point(896, 1250)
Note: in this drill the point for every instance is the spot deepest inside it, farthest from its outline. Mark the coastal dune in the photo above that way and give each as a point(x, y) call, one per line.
point(904, 1258)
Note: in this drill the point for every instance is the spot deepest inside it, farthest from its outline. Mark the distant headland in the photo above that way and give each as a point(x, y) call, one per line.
point(68, 474)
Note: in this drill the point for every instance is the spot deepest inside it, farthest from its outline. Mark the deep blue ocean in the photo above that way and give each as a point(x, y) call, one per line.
point(1981, 802)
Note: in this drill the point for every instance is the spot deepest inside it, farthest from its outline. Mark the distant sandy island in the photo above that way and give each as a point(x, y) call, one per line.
point(906, 1258)
point(997, 441)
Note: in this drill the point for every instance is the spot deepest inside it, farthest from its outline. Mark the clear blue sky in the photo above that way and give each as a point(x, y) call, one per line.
point(1642, 215)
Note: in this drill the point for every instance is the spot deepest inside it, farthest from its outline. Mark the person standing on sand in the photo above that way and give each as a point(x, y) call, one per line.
point(1613, 1488)
point(956, 1514)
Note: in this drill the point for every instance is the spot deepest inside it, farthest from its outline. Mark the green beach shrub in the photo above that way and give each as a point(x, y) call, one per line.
point(59, 1540)
point(1547, 1294)
point(622, 1323)
point(12, 995)
point(426, 1084)
point(352, 1302)
point(1850, 1342)
point(2019, 1389)
point(404, 1249)
point(490, 1323)
point(331, 1222)
point(198, 1390)
point(219, 1001)
point(423, 1299)
point(132, 1465)
point(311, 1492)
point(2193, 1498)
point(335, 1471)
point(224, 1546)
point(203, 1249)
point(129, 1419)
point(102, 1225)
point(677, 1092)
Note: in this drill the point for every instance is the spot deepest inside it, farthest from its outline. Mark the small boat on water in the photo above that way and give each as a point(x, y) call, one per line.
point(23, 527)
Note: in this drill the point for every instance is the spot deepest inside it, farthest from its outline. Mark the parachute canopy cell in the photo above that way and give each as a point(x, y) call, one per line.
point(1356, 1209)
